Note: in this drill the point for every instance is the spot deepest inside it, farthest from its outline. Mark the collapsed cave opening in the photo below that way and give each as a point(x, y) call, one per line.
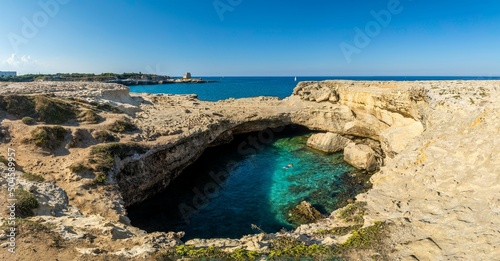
point(254, 180)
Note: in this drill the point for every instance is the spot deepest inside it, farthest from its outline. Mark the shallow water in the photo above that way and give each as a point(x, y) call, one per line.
point(227, 191)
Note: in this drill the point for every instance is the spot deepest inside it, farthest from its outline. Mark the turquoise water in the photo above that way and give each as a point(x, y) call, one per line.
point(241, 87)
point(245, 188)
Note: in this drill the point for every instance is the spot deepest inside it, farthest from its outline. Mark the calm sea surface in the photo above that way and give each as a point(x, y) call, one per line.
point(242, 87)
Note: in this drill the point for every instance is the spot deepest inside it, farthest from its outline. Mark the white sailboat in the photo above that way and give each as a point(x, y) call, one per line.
point(295, 78)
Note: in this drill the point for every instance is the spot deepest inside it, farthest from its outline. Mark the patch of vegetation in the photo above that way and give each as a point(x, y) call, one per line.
point(89, 116)
point(19, 106)
point(107, 107)
point(100, 179)
point(41, 107)
point(87, 77)
point(104, 136)
point(338, 231)
point(287, 248)
point(53, 111)
point(353, 212)
point(25, 203)
point(303, 213)
point(122, 126)
point(27, 225)
point(33, 177)
point(78, 168)
point(28, 120)
point(365, 238)
point(471, 100)
point(48, 137)
point(103, 156)
point(4, 160)
point(208, 253)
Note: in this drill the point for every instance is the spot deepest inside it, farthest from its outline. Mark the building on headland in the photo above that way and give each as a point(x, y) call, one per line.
point(8, 74)
point(187, 76)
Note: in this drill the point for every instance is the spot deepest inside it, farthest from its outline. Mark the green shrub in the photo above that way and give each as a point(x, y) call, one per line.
point(77, 168)
point(53, 111)
point(107, 107)
point(41, 107)
point(48, 137)
point(4, 160)
point(207, 253)
point(100, 179)
point(33, 177)
point(353, 212)
point(28, 120)
point(366, 237)
point(338, 231)
point(103, 156)
point(89, 116)
point(25, 203)
point(104, 136)
point(122, 126)
point(287, 248)
point(19, 106)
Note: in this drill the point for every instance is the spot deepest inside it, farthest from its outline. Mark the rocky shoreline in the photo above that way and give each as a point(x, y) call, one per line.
point(131, 82)
point(432, 141)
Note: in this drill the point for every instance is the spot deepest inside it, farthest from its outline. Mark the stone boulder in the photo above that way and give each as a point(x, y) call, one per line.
point(304, 213)
point(360, 156)
point(315, 91)
point(327, 142)
point(395, 139)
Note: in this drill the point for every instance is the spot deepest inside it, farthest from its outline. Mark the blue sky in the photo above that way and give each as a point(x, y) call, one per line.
point(252, 37)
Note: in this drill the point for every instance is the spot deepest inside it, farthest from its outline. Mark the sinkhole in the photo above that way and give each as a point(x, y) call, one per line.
point(250, 182)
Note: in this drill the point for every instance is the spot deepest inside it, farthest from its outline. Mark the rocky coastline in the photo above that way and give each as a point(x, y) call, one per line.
point(132, 82)
point(431, 145)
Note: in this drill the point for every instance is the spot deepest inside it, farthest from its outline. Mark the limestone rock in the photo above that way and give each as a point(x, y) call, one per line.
point(327, 142)
point(360, 156)
point(314, 91)
point(332, 119)
point(395, 139)
point(304, 213)
point(323, 94)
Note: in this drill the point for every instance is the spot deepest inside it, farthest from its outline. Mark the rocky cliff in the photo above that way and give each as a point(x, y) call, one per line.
point(367, 111)
point(436, 141)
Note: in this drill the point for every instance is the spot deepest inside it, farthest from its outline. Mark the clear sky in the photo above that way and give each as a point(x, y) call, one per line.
point(252, 37)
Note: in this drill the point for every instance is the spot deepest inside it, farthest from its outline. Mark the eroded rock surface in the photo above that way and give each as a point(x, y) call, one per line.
point(304, 213)
point(360, 156)
point(327, 142)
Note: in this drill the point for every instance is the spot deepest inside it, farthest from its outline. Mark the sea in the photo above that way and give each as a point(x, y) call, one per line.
point(281, 87)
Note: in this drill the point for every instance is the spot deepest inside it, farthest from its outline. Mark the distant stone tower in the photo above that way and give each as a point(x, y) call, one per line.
point(187, 76)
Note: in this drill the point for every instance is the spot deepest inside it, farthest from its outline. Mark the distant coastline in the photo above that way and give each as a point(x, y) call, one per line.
point(128, 79)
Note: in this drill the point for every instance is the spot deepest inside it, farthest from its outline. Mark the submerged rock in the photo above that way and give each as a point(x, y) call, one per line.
point(304, 213)
point(327, 142)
